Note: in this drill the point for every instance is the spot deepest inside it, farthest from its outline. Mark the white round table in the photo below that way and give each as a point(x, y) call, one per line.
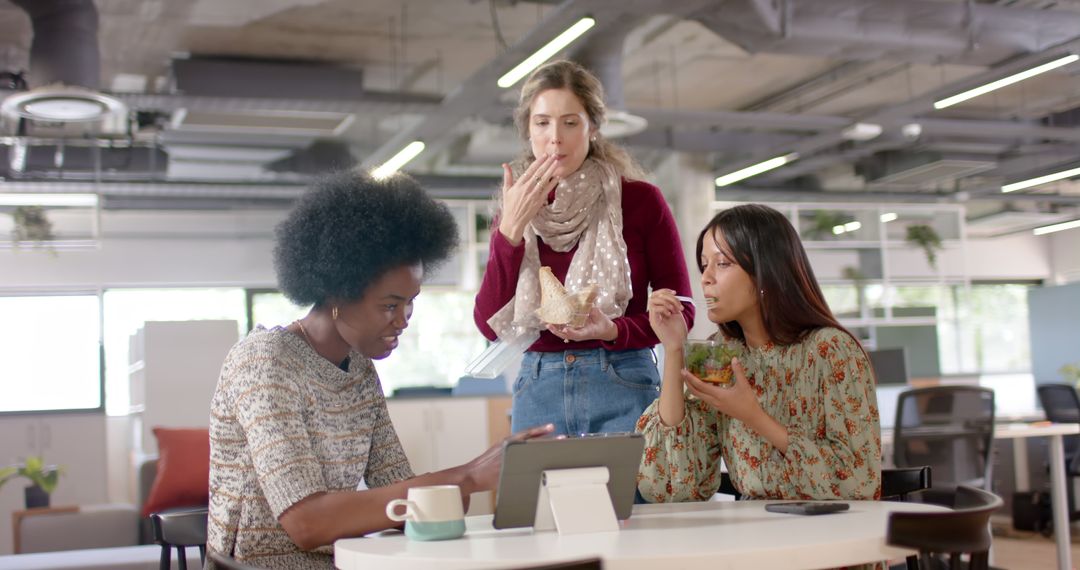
point(713, 535)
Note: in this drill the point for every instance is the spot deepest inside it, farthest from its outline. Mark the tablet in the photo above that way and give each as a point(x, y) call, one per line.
point(525, 461)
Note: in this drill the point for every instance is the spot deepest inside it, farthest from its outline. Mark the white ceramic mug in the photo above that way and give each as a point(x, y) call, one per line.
point(431, 513)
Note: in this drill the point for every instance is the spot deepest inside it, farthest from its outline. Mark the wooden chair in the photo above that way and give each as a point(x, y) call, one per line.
point(947, 536)
point(180, 528)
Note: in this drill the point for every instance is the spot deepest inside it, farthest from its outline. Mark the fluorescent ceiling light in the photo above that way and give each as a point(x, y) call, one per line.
point(1056, 227)
point(755, 169)
point(1041, 180)
point(49, 200)
point(995, 85)
point(543, 54)
point(398, 160)
point(889, 217)
point(861, 132)
point(848, 227)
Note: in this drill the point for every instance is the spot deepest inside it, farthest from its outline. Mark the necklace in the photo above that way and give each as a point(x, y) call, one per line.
point(303, 331)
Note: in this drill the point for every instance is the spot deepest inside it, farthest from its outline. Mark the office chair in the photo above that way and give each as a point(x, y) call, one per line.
point(896, 484)
point(180, 528)
point(948, 535)
point(1062, 406)
point(951, 430)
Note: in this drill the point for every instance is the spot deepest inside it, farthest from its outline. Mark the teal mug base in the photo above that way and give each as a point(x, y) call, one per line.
point(443, 530)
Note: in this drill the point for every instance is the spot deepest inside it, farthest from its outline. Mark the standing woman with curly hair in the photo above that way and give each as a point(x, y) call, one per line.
point(298, 418)
point(574, 202)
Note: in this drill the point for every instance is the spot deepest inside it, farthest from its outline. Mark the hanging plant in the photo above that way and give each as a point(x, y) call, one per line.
point(31, 224)
point(926, 238)
point(824, 222)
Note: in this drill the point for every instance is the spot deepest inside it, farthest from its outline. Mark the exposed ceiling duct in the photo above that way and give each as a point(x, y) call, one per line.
point(65, 65)
point(603, 55)
point(911, 30)
point(918, 169)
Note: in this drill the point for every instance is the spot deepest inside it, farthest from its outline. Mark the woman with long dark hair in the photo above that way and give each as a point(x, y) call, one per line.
point(800, 420)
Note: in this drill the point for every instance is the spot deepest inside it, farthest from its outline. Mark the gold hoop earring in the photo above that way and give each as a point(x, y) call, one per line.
point(333, 313)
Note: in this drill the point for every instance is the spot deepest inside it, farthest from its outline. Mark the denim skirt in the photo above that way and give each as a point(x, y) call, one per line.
point(584, 391)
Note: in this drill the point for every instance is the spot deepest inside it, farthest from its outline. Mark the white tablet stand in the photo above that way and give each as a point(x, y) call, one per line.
point(575, 501)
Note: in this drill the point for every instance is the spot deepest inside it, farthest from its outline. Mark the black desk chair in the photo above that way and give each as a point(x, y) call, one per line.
point(896, 484)
point(1061, 403)
point(951, 430)
point(1062, 406)
point(948, 535)
point(899, 483)
point(180, 528)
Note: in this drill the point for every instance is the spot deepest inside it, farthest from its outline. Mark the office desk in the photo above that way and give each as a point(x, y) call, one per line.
point(1058, 497)
point(713, 535)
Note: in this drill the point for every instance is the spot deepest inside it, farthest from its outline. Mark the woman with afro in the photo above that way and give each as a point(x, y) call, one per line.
point(298, 418)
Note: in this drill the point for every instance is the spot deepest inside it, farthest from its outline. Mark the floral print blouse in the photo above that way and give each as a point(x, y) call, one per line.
point(821, 389)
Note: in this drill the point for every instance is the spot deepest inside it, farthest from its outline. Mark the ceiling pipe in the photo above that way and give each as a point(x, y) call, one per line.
point(603, 55)
point(65, 45)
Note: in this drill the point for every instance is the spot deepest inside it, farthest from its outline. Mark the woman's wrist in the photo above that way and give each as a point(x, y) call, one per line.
point(612, 333)
point(512, 235)
point(462, 477)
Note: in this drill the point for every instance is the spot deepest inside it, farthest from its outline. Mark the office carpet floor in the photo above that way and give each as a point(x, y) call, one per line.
point(1020, 550)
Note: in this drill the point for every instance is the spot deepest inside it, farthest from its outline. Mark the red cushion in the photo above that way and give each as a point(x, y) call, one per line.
point(183, 470)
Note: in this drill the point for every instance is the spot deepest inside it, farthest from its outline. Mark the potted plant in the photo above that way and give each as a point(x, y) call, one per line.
point(926, 238)
point(44, 479)
point(1071, 373)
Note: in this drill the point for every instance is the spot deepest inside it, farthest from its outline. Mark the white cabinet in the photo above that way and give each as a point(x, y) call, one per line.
point(174, 369)
point(438, 433)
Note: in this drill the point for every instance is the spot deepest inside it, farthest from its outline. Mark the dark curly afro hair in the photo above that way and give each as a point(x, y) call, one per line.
point(349, 229)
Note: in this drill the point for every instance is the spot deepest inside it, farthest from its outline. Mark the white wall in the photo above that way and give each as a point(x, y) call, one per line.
point(155, 249)
point(1064, 256)
point(1015, 256)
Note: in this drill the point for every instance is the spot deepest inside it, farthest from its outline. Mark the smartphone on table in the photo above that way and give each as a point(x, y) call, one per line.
point(808, 507)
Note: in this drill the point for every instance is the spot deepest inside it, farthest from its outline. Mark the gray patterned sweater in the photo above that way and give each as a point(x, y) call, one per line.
point(286, 423)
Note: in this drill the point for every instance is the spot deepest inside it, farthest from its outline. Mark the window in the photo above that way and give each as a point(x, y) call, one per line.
point(270, 308)
point(126, 310)
point(433, 351)
point(440, 341)
point(52, 353)
point(997, 325)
